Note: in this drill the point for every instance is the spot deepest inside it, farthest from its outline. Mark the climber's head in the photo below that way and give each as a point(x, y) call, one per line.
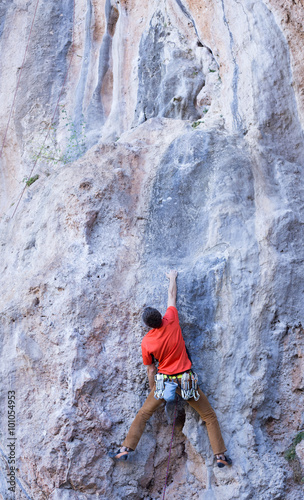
point(152, 317)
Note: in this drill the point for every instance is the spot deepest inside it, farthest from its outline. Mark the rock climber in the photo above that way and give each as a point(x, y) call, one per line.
point(165, 343)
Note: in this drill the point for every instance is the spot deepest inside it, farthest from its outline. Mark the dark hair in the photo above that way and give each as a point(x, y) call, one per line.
point(152, 317)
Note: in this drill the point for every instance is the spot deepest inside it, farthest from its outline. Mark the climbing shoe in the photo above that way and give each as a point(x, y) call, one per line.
point(119, 455)
point(221, 462)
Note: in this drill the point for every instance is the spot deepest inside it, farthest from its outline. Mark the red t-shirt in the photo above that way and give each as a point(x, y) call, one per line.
point(167, 345)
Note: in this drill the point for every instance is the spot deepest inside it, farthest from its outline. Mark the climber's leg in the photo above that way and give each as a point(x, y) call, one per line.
point(138, 425)
point(206, 412)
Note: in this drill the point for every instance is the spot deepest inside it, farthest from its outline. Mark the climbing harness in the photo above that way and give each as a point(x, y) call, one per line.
point(166, 387)
point(174, 418)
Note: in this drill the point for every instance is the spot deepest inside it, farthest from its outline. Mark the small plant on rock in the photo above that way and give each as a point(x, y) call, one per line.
point(196, 124)
point(31, 180)
point(291, 456)
point(74, 147)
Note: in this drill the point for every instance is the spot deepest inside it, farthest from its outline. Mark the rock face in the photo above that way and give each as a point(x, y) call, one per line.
point(177, 142)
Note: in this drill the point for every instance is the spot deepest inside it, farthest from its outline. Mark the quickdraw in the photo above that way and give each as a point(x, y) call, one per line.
point(189, 390)
point(189, 387)
point(160, 386)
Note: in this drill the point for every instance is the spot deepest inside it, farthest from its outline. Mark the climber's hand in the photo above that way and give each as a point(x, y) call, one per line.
point(171, 274)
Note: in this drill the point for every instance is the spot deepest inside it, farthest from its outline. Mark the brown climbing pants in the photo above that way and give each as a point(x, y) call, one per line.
point(203, 408)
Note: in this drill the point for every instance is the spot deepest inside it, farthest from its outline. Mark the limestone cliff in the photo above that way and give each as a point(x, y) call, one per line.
point(177, 142)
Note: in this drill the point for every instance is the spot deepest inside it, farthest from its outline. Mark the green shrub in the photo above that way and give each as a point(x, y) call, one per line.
point(31, 180)
point(290, 454)
point(196, 124)
point(73, 148)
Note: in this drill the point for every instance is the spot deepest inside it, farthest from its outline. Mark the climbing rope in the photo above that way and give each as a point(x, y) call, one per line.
point(18, 81)
point(174, 418)
point(53, 117)
point(57, 104)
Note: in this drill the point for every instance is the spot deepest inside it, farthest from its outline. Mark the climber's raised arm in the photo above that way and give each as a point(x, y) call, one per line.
point(172, 290)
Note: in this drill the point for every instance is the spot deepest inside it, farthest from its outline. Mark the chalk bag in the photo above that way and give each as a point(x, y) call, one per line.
point(169, 392)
